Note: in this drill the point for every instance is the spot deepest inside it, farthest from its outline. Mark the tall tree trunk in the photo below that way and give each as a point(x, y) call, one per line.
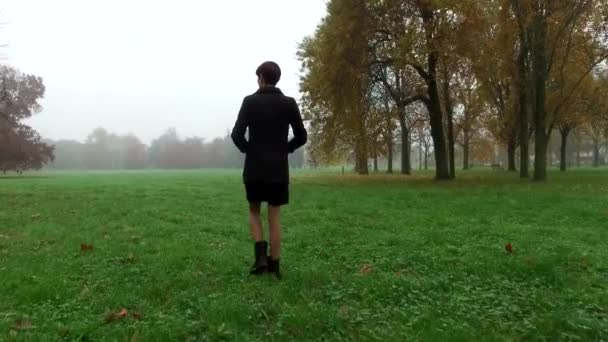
point(511, 147)
point(524, 154)
point(596, 153)
point(549, 153)
point(376, 162)
point(362, 149)
point(406, 165)
point(452, 143)
point(450, 123)
point(361, 163)
point(420, 156)
point(565, 131)
point(578, 154)
point(433, 102)
point(426, 158)
point(466, 147)
point(390, 156)
point(539, 60)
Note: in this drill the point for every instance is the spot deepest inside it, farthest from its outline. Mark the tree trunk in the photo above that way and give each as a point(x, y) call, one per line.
point(390, 156)
point(540, 153)
point(420, 156)
point(450, 121)
point(426, 158)
point(362, 153)
point(406, 165)
point(539, 60)
point(466, 146)
point(524, 154)
point(578, 154)
point(549, 153)
point(511, 147)
point(452, 149)
point(376, 162)
point(433, 102)
point(596, 153)
point(562, 162)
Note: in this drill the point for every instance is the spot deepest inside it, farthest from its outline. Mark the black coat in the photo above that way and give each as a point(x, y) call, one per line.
point(268, 114)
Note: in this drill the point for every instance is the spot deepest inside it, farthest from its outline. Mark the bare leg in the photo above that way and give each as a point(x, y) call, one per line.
point(255, 221)
point(274, 223)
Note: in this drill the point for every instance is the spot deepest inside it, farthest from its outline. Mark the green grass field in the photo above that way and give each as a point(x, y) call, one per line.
point(378, 258)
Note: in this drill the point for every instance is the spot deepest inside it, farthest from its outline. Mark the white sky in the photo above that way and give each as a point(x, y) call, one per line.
point(142, 66)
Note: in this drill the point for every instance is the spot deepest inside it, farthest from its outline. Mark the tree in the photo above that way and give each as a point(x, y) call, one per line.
point(68, 155)
point(548, 29)
point(422, 30)
point(470, 104)
point(21, 148)
point(135, 152)
point(336, 85)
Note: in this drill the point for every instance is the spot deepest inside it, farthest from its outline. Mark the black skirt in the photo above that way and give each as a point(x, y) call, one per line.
point(275, 194)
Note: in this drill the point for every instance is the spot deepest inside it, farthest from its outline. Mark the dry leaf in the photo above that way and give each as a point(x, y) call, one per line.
point(110, 317)
point(85, 247)
point(129, 259)
point(344, 311)
point(123, 313)
point(509, 248)
point(366, 269)
point(35, 216)
point(137, 315)
point(585, 263)
point(22, 325)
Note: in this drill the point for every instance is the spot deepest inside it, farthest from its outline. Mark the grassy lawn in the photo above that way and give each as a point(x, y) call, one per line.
point(378, 258)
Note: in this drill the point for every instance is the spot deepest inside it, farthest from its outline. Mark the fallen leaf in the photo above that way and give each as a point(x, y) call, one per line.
point(22, 325)
point(136, 315)
point(530, 260)
point(129, 259)
point(85, 247)
point(366, 269)
point(509, 247)
point(35, 216)
point(344, 311)
point(114, 316)
point(585, 263)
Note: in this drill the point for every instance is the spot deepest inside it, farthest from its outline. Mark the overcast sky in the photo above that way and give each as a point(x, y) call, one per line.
point(142, 66)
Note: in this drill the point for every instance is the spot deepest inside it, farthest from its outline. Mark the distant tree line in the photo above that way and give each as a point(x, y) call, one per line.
point(104, 150)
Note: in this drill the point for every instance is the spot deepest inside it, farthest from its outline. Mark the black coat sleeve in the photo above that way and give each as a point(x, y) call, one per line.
point(300, 136)
point(240, 127)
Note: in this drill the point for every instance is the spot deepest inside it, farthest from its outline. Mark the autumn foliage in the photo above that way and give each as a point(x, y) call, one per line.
point(513, 70)
point(21, 147)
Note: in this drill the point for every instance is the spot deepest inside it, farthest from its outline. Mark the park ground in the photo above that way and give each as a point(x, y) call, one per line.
point(160, 256)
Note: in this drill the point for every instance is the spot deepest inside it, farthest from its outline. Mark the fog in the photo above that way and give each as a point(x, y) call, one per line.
point(142, 66)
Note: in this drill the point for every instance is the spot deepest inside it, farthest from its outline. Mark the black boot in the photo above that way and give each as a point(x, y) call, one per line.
point(273, 268)
point(261, 259)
